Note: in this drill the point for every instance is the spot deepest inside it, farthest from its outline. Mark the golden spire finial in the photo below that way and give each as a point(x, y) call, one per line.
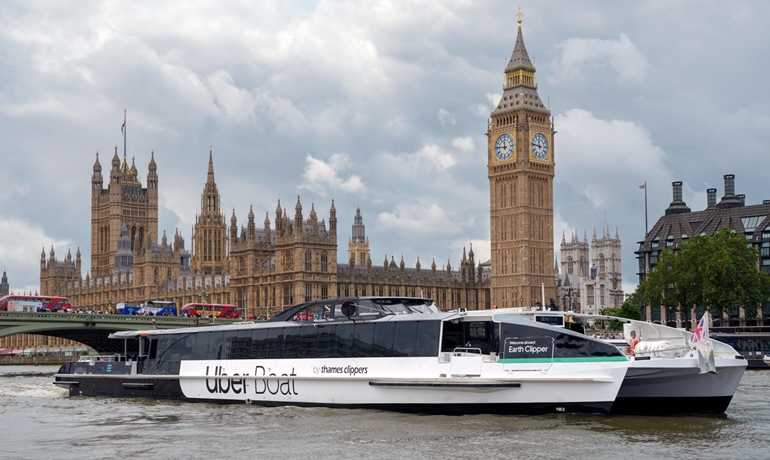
point(519, 15)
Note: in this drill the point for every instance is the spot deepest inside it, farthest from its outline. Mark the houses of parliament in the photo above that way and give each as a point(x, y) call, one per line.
point(288, 258)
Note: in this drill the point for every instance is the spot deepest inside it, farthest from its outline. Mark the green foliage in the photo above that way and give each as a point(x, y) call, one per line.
point(718, 272)
point(630, 309)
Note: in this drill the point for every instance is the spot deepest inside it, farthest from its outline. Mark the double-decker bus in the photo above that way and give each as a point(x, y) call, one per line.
point(34, 303)
point(158, 308)
point(210, 309)
point(124, 309)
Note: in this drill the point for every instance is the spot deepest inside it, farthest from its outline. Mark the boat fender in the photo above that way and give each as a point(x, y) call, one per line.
point(248, 401)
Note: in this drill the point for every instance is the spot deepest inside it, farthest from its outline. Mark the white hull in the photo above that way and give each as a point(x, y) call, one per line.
point(383, 381)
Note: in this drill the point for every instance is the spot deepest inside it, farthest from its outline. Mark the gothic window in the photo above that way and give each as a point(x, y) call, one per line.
point(324, 267)
point(241, 264)
point(613, 262)
point(308, 262)
point(601, 262)
point(140, 244)
point(324, 291)
point(156, 275)
point(287, 295)
point(168, 274)
point(287, 261)
point(590, 294)
point(361, 259)
point(133, 237)
point(308, 292)
point(569, 265)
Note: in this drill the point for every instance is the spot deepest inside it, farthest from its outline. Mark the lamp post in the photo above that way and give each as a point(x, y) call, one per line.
point(204, 299)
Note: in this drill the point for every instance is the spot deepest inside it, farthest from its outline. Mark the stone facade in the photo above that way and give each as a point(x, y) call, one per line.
point(520, 164)
point(590, 290)
point(261, 271)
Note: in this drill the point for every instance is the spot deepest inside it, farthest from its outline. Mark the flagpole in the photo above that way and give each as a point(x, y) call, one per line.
point(125, 131)
point(645, 209)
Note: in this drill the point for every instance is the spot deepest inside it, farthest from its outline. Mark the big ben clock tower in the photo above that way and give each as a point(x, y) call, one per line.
point(520, 165)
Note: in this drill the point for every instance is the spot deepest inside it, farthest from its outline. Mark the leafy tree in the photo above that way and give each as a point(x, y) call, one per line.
point(718, 272)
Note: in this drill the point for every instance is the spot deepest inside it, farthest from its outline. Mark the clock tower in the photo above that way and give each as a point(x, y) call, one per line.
point(520, 166)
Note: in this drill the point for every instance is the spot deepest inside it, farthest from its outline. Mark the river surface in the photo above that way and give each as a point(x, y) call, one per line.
point(38, 420)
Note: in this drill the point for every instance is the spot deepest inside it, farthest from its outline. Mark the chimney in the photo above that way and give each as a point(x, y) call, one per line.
point(677, 206)
point(729, 184)
point(765, 201)
point(730, 200)
point(712, 198)
point(742, 197)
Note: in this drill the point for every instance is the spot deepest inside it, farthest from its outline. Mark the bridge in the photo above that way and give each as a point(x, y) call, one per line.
point(92, 330)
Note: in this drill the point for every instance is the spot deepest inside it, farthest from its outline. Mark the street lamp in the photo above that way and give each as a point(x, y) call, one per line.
point(204, 299)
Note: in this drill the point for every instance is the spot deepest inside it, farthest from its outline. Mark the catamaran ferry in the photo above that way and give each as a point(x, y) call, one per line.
point(366, 352)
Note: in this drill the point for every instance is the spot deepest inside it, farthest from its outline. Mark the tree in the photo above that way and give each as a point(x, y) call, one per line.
point(717, 272)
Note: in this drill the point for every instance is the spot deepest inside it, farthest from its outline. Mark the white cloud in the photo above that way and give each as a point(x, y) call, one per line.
point(446, 118)
point(464, 144)
point(604, 157)
point(20, 249)
point(578, 55)
point(321, 177)
point(418, 219)
point(429, 158)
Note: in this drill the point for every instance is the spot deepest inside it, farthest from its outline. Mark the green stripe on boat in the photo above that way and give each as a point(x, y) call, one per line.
point(588, 359)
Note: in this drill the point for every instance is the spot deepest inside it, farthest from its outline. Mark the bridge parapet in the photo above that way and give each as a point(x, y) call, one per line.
point(125, 321)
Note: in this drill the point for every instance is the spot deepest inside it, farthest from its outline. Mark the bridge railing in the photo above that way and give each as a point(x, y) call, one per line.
point(176, 321)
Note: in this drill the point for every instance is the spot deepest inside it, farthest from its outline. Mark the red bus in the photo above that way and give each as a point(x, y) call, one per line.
point(210, 309)
point(34, 303)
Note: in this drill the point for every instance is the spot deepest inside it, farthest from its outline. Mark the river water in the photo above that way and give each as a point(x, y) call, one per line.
point(38, 420)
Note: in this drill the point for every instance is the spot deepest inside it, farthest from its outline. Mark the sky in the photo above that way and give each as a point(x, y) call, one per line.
point(381, 105)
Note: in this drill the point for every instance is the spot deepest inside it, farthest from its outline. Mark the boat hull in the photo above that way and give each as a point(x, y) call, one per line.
point(364, 383)
point(665, 387)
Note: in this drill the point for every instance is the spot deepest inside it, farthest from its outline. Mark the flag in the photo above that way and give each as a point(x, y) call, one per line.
point(701, 331)
point(123, 127)
point(642, 186)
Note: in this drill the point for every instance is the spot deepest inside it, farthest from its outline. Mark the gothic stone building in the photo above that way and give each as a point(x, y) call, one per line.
point(260, 270)
point(590, 290)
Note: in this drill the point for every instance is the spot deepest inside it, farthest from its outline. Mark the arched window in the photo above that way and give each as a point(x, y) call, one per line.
point(140, 245)
point(324, 267)
point(308, 261)
point(570, 266)
point(601, 263)
point(168, 274)
point(156, 276)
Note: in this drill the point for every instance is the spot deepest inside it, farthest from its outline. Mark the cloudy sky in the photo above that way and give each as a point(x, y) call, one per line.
point(377, 104)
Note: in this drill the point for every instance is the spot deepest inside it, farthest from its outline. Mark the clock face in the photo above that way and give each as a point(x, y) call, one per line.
point(504, 147)
point(539, 146)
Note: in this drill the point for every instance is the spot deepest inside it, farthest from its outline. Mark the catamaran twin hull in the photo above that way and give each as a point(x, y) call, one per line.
point(432, 363)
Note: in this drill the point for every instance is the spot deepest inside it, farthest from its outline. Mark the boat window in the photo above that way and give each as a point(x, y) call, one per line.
point(309, 343)
point(406, 339)
point(363, 339)
point(180, 349)
point(384, 335)
point(291, 342)
point(343, 346)
point(326, 336)
point(427, 338)
point(453, 336)
point(275, 343)
point(153, 348)
point(230, 345)
point(215, 345)
point(259, 344)
point(201, 351)
point(243, 350)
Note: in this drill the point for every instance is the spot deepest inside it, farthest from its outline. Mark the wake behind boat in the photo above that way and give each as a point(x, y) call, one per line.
point(671, 371)
point(366, 352)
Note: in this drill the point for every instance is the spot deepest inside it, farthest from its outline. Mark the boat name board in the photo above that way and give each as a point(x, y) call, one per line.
point(528, 347)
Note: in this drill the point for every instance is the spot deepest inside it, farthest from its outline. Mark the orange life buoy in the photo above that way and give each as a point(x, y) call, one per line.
point(633, 345)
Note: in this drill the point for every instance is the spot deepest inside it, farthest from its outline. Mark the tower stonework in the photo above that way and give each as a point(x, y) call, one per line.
point(123, 201)
point(520, 166)
point(209, 251)
point(358, 244)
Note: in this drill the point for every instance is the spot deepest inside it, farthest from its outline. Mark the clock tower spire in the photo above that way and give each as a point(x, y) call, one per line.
point(520, 167)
